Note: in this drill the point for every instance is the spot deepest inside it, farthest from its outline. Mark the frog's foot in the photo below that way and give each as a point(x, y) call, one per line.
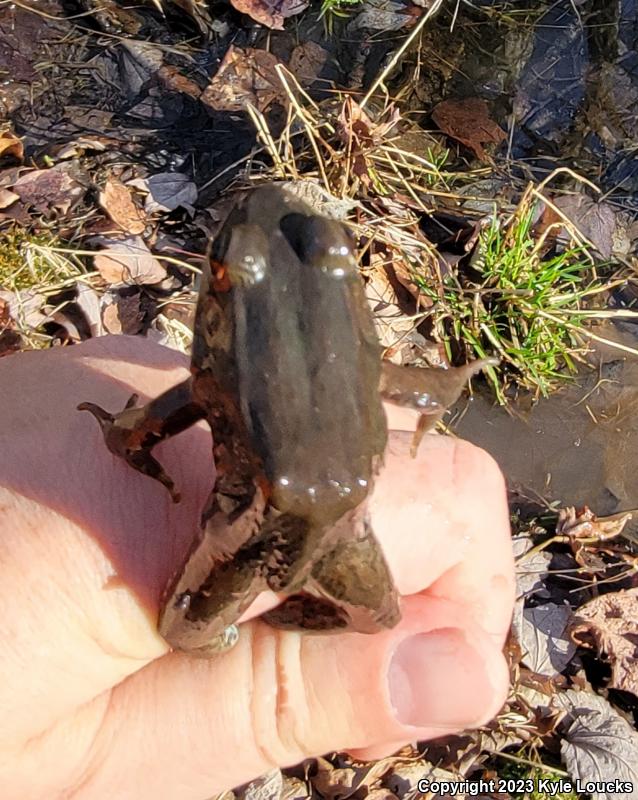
point(124, 437)
point(350, 588)
point(218, 644)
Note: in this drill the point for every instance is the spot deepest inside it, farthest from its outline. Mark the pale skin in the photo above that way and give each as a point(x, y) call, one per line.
point(92, 703)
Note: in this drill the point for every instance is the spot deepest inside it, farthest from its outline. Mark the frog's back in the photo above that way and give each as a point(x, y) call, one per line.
point(305, 354)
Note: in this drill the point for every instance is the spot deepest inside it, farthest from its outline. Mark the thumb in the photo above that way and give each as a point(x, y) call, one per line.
point(280, 697)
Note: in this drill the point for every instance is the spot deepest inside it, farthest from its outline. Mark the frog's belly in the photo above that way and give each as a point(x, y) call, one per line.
point(308, 368)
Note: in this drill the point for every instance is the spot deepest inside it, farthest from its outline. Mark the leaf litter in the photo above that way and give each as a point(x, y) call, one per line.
point(131, 248)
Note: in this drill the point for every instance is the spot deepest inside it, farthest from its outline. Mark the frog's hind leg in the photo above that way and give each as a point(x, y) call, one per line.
point(133, 432)
point(349, 588)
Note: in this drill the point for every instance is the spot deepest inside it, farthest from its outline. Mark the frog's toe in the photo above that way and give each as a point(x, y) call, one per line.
point(104, 418)
point(145, 463)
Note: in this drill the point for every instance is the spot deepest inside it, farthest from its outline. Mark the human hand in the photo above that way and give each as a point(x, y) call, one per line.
point(93, 703)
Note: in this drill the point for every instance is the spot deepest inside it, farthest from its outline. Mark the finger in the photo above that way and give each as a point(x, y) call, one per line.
point(280, 697)
point(443, 521)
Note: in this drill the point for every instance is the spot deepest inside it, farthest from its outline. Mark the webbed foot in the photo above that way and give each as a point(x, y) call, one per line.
point(126, 436)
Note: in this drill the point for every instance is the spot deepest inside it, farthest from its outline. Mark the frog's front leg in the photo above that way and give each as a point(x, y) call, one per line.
point(133, 432)
point(349, 588)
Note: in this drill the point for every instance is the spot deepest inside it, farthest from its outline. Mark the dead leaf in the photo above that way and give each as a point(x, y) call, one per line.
point(7, 198)
point(89, 118)
point(128, 261)
point(547, 648)
point(530, 570)
point(111, 319)
point(306, 62)
point(173, 80)
point(116, 200)
point(595, 221)
point(49, 189)
point(339, 783)
point(584, 524)
point(392, 325)
point(320, 199)
point(403, 779)
point(168, 191)
point(244, 76)
point(24, 307)
point(10, 339)
point(88, 301)
point(295, 789)
point(11, 146)
point(270, 13)
point(129, 313)
point(612, 621)
point(386, 15)
point(468, 122)
point(598, 745)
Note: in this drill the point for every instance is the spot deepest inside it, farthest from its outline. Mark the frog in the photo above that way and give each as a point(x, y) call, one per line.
point(286, 369)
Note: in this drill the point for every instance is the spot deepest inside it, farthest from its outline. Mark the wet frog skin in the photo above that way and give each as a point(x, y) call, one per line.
point(286, 370)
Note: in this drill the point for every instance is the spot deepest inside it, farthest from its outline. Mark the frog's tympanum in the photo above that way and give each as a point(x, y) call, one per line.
point(286, 370)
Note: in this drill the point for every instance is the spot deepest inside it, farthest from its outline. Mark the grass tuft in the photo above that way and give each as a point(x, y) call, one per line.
point(517, 300)
point(32, 261)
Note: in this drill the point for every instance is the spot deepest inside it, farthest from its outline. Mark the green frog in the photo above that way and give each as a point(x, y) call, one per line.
point(287, 371)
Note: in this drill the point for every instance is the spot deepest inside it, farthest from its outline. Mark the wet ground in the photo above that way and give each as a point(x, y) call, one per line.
point(578, 447)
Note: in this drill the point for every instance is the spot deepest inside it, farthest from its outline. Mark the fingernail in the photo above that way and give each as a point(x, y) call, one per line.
point(438, 679)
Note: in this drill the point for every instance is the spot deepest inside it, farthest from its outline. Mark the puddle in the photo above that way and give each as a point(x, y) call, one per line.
point(577, 447)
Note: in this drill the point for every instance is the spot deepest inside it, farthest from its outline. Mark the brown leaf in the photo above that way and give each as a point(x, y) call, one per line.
point(111, 319)
point(10, 145)
point(392, 325)
point(116, 200)
point(128, 261)
point(244, 76)
point(468, 122)
point(595, 221)
point(612, 621)
point(270, 13)
point(7, 198)
point(584, 524)
point(48, 189)
point(24, 307)
point(306, 62)
point(173, 80)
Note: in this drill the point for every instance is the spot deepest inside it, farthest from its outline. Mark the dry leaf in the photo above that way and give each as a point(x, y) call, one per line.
point(88, 300)
point(111, 319)
point(7, 198)
point(128, 261)
point(468, 122)
point(320, 199)
point(547, 648)
point(173, 80)
point(306, 62)
point(244, 76)
point(386, 15)
point(168, 191)
point(598, 744)
point(612, 621)
point(48, 189)
point(595, 221)
point(270, 13)
point(10, 145)
point(584, 524)
point(116, 200)
point(24, 307)
point(530, 570)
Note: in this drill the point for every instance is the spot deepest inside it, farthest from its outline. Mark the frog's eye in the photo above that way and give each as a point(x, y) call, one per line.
point(320, 242)
point(246, 256)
